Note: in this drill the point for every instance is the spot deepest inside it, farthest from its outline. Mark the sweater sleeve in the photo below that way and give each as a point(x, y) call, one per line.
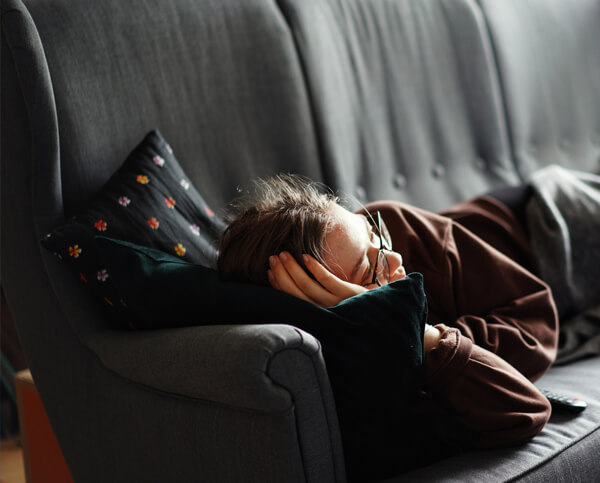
point(488, 396)
point(499, 305)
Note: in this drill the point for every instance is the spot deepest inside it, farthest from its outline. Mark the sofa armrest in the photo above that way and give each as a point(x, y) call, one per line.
point(270, 368)
point(225, 364)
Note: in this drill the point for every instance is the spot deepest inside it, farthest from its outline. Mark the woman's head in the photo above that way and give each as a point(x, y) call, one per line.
point(290, 214)
point(285, 213)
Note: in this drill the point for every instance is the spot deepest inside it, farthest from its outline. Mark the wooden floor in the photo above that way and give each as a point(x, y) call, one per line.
point(11, 462)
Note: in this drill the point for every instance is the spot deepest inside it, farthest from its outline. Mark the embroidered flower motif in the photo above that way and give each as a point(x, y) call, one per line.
point(179, 249)
point(124, 201)
point(75, 251)
point(158, 161)
point(170, 202)
point(100, 225)
point(169, 148)
point(195, 229)
point(153, 222)
point(102, 275)
point(184, 184)
point(209, 212)
point(142, 179)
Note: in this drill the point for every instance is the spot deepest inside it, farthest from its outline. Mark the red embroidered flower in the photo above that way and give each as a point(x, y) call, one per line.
point(75, 251)
point(179, 249)
point(153, 222)
point(101, 225)
point(170, 202)
point(142, 179)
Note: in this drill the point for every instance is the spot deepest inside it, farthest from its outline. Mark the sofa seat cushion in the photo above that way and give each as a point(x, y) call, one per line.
point(560, 450)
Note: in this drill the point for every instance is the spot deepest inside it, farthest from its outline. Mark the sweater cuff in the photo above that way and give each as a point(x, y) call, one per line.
point(445, 362)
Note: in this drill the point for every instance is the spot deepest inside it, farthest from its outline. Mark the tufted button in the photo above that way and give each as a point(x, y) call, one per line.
point(400, 181)
point(481, 164)
point(533, 149)
point(361, 193)
point(438, 171)
point(564, 144)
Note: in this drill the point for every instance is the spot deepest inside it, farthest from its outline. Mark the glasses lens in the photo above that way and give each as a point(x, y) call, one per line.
point(384, 233)
point(383, 268)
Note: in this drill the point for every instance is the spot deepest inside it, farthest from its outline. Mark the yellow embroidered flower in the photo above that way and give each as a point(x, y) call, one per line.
point(142, 179)
point(179, 249)
point(75, 251)
point(153, 222)
point(170, 202)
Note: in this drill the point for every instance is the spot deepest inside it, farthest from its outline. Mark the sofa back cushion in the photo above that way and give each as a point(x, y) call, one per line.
point(406, 100)
point(547, 58)
point(220, 79)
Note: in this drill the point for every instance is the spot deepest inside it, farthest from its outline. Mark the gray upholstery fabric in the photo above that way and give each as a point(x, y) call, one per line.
point(426, 102)
point(220, 79)
point(406, 102)
point(547, 55)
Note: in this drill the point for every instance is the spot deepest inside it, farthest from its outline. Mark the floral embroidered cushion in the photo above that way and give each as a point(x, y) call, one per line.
point(149, 201)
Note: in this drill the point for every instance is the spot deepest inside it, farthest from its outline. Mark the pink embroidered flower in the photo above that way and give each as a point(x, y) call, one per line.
point(75, 251)
point(184, 184)
point(142, 179)
point(209, 212)
point(169, 148)
point(195, 229)
point(170, 202)
point(124, 201)
point(158, 161)
point(179, 249)
point(153, 222)
point(100, 225)
point(102, 275)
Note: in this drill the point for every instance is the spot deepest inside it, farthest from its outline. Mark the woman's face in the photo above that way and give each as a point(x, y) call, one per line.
point(351, 249)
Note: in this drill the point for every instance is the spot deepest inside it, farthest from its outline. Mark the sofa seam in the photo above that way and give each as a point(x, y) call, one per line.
point(325, 174)
point(501, 89)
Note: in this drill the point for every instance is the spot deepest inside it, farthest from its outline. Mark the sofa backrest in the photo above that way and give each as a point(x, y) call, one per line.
point(547, 55)
point(220, 79)
point(406, 99)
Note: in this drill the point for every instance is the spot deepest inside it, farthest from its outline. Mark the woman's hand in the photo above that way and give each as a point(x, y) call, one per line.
point(327, 290)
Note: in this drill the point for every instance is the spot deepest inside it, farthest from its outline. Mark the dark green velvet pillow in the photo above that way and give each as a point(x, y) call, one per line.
point(371, 343)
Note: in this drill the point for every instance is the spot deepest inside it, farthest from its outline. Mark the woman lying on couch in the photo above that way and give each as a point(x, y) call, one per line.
point(492, 326)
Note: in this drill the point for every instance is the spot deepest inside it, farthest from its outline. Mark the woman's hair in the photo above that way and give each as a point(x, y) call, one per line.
point(286, 212)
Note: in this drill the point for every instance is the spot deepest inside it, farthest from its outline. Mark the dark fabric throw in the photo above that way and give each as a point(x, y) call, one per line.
point(563, 214)
point(372, 343)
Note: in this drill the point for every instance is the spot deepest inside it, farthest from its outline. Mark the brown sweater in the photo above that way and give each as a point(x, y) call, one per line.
point(498, 320)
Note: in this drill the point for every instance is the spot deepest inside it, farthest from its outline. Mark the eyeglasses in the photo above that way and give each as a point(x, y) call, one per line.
point(381, 272)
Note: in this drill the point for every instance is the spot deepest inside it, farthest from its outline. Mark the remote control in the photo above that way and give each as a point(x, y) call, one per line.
point(560, 401)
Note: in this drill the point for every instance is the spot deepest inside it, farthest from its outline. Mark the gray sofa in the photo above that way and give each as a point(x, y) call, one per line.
point(424, 101)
